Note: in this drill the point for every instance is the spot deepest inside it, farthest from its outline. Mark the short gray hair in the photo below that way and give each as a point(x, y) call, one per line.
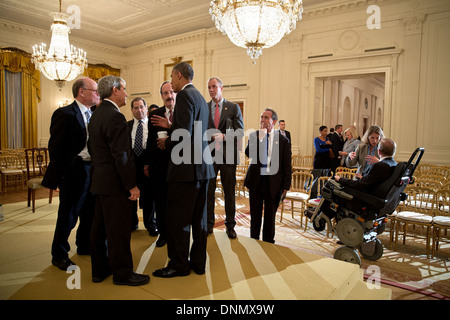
point(107, 83)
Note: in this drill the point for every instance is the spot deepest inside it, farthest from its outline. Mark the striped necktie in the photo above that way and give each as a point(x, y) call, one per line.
point(217, 116)
point(87, 113)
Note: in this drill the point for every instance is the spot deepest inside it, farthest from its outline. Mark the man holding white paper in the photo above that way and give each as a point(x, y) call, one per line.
point(158, 160)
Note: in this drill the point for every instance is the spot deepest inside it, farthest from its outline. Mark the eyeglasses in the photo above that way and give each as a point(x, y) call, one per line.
point(90, 90)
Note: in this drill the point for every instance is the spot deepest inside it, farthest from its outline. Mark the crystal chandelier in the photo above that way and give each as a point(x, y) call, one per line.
point(63, 62)
point(256, 24)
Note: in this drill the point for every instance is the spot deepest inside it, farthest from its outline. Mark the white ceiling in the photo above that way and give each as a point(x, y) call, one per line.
point(120, 23)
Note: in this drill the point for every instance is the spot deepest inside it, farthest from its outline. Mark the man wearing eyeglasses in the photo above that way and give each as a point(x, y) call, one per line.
point(68, 170)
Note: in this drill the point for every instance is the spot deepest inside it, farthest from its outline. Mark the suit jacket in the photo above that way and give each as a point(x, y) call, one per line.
point(230, 119)
point(190, 159)
point(67, 139)
point(113, 168)
point(338, 144)
point(280, 173)
point(157, 159)
point(360, 158)
point(288, 135)
point(140, 160)
point(380, 172)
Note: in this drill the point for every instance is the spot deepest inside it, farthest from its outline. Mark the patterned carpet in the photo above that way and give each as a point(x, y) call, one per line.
point(407, 268)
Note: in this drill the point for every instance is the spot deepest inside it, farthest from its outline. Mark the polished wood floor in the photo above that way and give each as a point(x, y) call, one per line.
point(15, 196)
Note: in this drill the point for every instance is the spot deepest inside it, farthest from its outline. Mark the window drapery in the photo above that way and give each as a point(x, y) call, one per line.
point(18, 61)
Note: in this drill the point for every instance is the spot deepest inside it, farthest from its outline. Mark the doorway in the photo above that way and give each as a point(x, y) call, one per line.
point(351, 100)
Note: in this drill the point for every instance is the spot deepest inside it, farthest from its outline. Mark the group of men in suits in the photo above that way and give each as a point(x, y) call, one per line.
point(97, 161)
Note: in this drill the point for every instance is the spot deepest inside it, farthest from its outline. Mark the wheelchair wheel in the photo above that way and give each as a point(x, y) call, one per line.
point(319, 224)
point(347, 254)
point(381, 228)
point(350, 232)
point(375, 253)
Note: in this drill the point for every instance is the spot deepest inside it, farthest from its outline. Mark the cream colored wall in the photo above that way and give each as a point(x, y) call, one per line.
point(416, 102)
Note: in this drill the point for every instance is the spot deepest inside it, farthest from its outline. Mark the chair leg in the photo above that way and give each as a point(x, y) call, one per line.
point(281, 213)
point(29, 197)
point(50, 197)
point(33, 198)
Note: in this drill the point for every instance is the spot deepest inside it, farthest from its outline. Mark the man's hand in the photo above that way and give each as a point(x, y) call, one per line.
point(161, 143)
point(337, 178)
point(134, 194)
point(160, 121)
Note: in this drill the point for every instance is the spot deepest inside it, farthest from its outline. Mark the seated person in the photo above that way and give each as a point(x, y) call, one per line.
point(380, 171)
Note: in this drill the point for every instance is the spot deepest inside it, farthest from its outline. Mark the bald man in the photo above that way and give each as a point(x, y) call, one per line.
point(380, 171)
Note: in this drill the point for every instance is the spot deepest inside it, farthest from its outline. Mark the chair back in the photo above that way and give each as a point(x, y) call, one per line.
point(443, 202)
point(296, 160)
point(301, 182)
point(421, 199)
point(320, 184)
point(307, 161)
point(429, 183)
point(37, 161)
point(436, 177)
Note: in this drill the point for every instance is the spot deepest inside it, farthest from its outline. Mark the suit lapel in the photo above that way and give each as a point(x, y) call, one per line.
point(78, 115)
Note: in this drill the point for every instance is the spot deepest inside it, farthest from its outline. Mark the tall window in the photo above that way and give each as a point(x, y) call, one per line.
point(19, 97)
point(13, 108)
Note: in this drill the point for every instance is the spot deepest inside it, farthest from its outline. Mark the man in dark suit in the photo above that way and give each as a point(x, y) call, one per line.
point(139, 133)
point(269, 175)
point(283, 131)
point(68, 170)
point(226, 118)
point(337, 145)
point(114, 184)
point(378, 173)
point(158, 160)
point(190, 169)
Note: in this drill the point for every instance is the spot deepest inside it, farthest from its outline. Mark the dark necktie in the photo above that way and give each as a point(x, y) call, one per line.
point(138, 139)
point(171, 116)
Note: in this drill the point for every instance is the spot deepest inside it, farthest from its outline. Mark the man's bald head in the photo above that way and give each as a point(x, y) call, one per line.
point(387, 147)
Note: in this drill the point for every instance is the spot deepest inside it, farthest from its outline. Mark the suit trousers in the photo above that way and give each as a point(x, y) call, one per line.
point(158, 189)
point(186, 211)
point(259, 197)
point(111, 236)
point(75, 201)
point(228, 181)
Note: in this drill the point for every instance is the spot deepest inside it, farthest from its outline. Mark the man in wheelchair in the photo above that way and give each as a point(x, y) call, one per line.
point(359, 208)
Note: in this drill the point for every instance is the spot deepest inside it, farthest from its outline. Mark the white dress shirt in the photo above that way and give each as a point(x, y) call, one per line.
point(84, 154)
point(144, 132)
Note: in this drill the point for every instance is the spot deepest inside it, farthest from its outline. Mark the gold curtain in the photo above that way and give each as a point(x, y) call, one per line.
point(97, 71)
point(15, 60)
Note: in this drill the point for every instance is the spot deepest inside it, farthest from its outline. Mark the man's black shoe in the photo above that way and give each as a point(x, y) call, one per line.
point(63, 264)
point(135, 279)
point(231, 233)
point(169, 272)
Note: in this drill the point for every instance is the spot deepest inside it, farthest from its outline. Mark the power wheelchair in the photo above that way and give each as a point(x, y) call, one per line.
point(359, 217)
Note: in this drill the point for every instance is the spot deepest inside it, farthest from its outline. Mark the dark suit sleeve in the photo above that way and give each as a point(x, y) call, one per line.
point(373, 178)
point(119, 141)
point(287, 164)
